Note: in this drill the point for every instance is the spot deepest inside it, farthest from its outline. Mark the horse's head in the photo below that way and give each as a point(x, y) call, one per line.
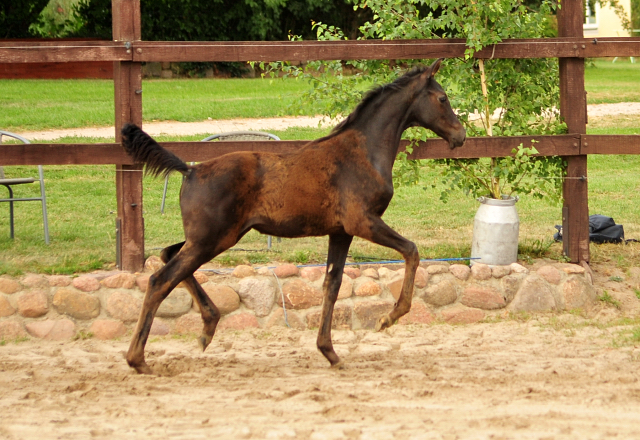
point(431, 108)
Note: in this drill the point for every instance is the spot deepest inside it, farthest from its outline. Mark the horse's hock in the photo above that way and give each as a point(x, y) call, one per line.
point(107, 304)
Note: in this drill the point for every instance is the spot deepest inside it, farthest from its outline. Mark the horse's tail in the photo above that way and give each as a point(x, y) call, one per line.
point(143, 149)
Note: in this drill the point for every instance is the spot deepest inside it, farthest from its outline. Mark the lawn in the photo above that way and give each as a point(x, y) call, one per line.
point(82, 204)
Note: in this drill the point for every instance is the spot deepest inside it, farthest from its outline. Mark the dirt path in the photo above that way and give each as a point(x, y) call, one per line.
point(550, 377)
point(264, 124)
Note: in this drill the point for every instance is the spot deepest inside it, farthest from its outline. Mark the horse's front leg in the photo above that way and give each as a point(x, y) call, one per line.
point(380, 233)
point(338, 250)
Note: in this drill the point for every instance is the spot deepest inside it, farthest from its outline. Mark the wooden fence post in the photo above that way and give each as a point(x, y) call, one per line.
point(573, 108)
point(128, 108)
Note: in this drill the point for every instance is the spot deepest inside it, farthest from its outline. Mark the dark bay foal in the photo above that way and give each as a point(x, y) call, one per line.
point(339, 186)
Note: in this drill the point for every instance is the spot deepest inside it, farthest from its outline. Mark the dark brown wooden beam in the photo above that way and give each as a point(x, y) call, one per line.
point(127, 77)
point(573, 109)
point(146, 51)
point(112, 153)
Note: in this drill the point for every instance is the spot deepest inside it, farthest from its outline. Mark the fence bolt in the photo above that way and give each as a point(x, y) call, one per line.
point(575, 144)
point(139, 50)
point(586, 144)
point(133, 205)
point(595, 41)
point(575, 46)
point(583, 46)
point(139, 92)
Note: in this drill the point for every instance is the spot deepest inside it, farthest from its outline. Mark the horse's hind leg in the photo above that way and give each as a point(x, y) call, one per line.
point(208, 310)
point(380, 233)
point(160, 285)
point(338, 250)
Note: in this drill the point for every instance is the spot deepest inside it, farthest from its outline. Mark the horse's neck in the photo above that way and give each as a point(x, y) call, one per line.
point(383, 126)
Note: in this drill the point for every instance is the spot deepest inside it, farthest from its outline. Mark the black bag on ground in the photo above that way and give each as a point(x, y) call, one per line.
point(602, 229)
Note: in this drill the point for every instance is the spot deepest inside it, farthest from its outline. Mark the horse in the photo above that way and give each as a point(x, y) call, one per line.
point(338, 185)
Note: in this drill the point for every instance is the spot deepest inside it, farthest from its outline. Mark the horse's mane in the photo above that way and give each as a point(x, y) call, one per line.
point(374, 93)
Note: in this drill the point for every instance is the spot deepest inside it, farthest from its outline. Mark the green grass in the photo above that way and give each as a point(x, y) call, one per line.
point(43, 104)
point(608, 82)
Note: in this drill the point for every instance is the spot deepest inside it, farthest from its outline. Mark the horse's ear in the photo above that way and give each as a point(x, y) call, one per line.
point(435, 66)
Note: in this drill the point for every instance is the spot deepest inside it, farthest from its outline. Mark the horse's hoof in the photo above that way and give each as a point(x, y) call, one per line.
point(204, 341)
point(383, 323)
point(143, 369)
point(338, 365)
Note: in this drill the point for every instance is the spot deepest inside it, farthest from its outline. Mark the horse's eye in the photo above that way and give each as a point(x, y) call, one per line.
point(443, 99)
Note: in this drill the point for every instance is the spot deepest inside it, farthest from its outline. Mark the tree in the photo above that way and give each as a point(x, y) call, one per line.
point(17, 16)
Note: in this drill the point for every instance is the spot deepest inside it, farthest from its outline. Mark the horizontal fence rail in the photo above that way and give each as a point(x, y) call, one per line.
point(150, 51)
point(113, 153)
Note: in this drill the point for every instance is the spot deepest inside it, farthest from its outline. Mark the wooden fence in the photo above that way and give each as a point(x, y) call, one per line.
point(127, 52)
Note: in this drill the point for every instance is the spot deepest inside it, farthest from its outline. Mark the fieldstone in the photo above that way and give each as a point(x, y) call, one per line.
point(123, 280)
point(367, 288)
point(460, 271)
point(241, 321)
point(107, 329)
point(341, 319)
point(311, 273)
point(481, 271)
point(482, 297)
point(33, 304)
point(11, 330)
point(369, 312)
point(577, 293)
point(35, 281)
point(385, 272)
point(419, 314)
point(422, 278)
point(224, 297)
point(6, 309)
point(550, 274)
point(440, 294)
point(51, 330)
point(300, 295)
point(86, 283)
point(346, 287)
point(257, 295)
point(243, 271)
point(9, 286)
point(201, 277)
point(518, 268)
point(188, 324)
point(293, 319)
point(435, 269)
point(123, 306)
point(264, 271)
point(534, 295)
point(572, 269)
point(395, 287)
point(352, 272)
point(76, 304)
point(160, 328)
point(153, 264)
point(59, 280)
point(510, 285)
point(286, 271)
point(500, 271)
point(177, 303)
point(371, 273)
point(459, 314)
point(142, 281)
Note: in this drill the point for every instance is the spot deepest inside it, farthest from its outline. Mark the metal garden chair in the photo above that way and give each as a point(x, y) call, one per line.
point(9, 183)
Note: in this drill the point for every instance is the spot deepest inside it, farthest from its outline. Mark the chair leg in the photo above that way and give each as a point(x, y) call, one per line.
point(45, 217)
point(164, 194)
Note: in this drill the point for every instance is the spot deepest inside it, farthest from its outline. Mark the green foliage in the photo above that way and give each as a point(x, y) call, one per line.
point(608, 299)
point(16, 16)
point(57, 20)
point(524, 93)
point(521, 173)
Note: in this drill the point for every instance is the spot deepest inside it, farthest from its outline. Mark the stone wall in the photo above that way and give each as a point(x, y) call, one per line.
point(106, 304)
